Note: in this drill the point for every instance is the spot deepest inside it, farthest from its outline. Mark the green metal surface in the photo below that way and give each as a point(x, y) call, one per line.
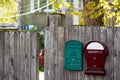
point(73, 56)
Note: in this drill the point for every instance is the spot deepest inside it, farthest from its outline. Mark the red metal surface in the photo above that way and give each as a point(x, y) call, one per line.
point(41, 58)
point(95, 60)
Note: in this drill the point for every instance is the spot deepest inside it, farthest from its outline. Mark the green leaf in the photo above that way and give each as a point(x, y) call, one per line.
point(74, 13)
point(91, 5)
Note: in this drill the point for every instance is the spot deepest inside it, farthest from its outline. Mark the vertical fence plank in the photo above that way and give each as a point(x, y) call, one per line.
point(81, 35)
point(110, 58)
point(33, 56)
point(66, 33)
point(60, 54)
point(51, 54)
point(103, 34)
point(53, 46)
point(16, 53)
point(96, 33)
point(1, 55)
point(22, 56)
point(88, 34)
point(55, 52)
point(27, 55)
point(6, 55)
point(116, 54)
point(12, 57)
point(47, 54)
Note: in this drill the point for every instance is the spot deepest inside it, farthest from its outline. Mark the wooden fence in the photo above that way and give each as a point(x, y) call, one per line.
point(55, 37)
point(18, 56)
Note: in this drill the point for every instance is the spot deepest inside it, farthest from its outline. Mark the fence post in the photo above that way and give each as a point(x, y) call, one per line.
point(54, 41)
point(56, 20)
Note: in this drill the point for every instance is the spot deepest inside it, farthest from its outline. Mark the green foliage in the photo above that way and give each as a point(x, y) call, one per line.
point(110, 9)
point(41, 41)
point(61, 5)
point(8, 8)
point(41, 68)
point(68, 8)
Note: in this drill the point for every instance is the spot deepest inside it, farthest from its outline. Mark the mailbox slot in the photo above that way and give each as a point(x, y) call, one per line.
point(73, 56)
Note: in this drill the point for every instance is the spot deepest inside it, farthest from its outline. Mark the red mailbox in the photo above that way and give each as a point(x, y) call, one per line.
point(95, 53)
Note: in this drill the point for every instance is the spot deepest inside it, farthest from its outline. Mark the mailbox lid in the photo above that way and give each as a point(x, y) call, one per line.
point(73, 49)
point(94, 47)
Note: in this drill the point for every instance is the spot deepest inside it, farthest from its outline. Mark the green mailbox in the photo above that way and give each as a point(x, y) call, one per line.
point(73, 56)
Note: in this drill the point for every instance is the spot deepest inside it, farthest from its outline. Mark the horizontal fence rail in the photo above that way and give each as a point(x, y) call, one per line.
point(18, 56)
point(55, 37)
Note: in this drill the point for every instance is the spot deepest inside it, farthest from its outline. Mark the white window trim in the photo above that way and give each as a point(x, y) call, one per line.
point(47, 9)
point(31, 5)
point(9, 26)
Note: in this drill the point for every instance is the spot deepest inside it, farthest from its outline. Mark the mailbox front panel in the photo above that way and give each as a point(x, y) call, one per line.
point(95, 53)
point(73, 55)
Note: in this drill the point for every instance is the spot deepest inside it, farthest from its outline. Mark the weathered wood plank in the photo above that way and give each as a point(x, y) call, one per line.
point(88, 34)
point(66, 33)
point(96, 33)
point(110, 58)
point(55, 53)
point(47, 51)
point(51, 55)
point(103, 34)
point(33, 56)
point(22, 56)
point(75, 32)
point(81, 35)
point(53, 46)
point(11, 57)
point(27, 49)
point(6, 55)
point(16, 53)
point(1, 55)
point(116, 53)
point(60, 54)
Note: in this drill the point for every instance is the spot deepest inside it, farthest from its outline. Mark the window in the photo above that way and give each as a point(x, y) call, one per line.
point(42, 5)
point(74, 3)
point(8, 18)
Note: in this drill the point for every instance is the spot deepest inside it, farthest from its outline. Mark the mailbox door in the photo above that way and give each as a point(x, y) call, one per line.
point(95, 53)
point(73, 55)
point(95, 60)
